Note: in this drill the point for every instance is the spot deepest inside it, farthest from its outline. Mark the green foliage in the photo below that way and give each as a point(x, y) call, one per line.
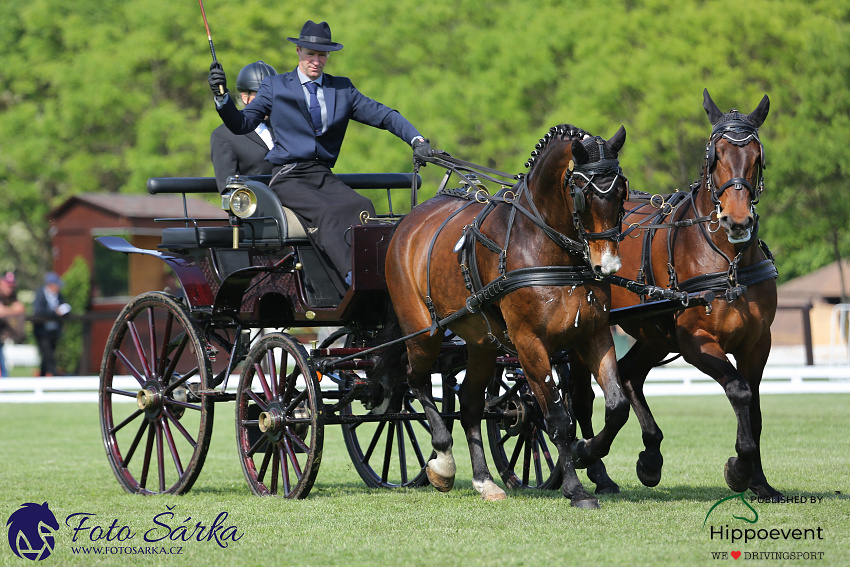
point(69, 350)
point(99, 96)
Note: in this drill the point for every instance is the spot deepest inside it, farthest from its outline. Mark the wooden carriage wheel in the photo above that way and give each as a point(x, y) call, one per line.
point(391, 453)
point(279, 421)
point(519, 444)
point(155, 421)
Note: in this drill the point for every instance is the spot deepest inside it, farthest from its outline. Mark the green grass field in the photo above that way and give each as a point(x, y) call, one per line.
point(53, 453)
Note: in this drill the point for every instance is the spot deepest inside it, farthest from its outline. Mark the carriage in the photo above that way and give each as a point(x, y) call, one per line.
point(224, 336)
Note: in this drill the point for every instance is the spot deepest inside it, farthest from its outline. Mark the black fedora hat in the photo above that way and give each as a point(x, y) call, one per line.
point(316, 36)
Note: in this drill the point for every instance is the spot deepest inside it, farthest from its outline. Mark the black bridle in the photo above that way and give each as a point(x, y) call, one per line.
point(603, 168)
point(740, 133)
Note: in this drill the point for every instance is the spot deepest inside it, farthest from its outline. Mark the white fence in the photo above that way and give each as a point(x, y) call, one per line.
point(665, 381)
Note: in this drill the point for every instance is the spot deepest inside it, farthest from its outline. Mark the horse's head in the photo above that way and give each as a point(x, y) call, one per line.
point(592, 186)
point(597, 190)
point(31, 530)
point(734, 159)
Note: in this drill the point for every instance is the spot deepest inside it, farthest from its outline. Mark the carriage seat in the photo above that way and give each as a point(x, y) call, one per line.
point(271, 226)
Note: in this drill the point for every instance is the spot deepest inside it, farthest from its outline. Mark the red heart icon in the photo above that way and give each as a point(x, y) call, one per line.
point(736, 554)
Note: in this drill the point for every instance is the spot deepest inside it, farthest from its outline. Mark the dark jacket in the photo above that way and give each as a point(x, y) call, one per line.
point(281, 98)
point(232, 154)
point(45, 318)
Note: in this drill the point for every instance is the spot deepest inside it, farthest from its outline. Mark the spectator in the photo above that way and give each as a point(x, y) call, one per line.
point(49, 308)
point(12, 314)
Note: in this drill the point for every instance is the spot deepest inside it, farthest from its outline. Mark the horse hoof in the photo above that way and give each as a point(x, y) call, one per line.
point(767, 493)
point(607, 488)
point(578, 450)
point(585, 501)
point(598, 475)
point(494, 496)
point(489, 490)
point(646, 476)
point(735, 480)
point(441, 483)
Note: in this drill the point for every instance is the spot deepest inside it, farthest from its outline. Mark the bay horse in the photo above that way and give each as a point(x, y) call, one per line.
point(542, 245)
point(683, 247)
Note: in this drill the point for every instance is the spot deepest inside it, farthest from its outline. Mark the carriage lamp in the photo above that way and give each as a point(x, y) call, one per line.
point(243, 202)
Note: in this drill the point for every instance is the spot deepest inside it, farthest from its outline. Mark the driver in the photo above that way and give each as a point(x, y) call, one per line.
point(308, 113)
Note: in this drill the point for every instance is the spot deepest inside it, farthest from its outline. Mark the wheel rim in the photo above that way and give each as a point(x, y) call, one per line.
point(519, 443)
point(279, 428)
point(155, 425)
point(393, 454)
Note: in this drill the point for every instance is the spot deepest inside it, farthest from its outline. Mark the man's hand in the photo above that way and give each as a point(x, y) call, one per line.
point(218, 81)
point(422, 151)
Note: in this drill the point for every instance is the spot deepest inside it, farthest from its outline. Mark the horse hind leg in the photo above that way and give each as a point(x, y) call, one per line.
point(480, 368)
point(575, 384)
point(633, 369)
point(422, 353)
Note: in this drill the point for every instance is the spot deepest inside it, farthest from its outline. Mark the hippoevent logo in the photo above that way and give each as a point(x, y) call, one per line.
point(31, 530)
point(737, 533)
point(751, 520)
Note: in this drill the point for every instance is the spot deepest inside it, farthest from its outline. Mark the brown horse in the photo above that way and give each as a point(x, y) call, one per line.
point(541, 245)
point(684, 248)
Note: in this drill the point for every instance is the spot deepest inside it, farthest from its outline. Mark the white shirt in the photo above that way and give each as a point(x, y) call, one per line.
point(263, 132)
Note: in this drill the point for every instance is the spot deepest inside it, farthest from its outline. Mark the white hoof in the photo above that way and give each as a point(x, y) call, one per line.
point(489, 490)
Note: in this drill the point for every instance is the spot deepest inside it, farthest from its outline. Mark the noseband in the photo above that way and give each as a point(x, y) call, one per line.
point(588, 172)
point(739, 133)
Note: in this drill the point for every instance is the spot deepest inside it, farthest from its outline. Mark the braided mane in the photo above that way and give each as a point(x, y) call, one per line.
point(560, 132)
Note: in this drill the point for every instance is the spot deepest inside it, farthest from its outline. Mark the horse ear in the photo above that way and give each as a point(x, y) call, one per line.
point(615, 143)
point(579, 153)
point(758, 115)
point(711, 109)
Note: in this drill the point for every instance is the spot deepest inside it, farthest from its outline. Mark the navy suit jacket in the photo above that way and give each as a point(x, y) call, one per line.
point(281, 98)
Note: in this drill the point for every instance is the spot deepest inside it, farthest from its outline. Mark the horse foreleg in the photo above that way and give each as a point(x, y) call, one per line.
point(633, 368)
point(559, 423)
point(421, 355)
point(710, 358)
point(751, 366)
point(601, 360)
point(481, 365)
point(575, 384)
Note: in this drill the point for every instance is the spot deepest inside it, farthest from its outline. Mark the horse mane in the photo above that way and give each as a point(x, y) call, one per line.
point(596, 151)
point(559, 132)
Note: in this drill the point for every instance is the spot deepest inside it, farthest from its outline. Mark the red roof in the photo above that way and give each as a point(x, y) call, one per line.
point(141, 206)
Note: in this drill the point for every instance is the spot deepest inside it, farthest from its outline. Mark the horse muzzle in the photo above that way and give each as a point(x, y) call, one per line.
point(737, 232)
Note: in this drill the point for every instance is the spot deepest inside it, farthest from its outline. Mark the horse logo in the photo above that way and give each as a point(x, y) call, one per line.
point(31, 530)
point(734, 497)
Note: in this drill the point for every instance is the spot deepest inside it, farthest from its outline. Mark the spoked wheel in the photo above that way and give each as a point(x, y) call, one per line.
point(155, 421)
point(279, 423)
point(392, 453)
point(518, 442)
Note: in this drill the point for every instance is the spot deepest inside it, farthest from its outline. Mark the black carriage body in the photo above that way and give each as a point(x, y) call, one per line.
point(271, 276)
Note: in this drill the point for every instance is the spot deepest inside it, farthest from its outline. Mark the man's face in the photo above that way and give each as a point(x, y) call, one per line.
point(311, 62)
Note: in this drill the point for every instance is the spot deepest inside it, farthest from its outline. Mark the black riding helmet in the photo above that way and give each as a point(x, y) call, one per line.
point(251, 76)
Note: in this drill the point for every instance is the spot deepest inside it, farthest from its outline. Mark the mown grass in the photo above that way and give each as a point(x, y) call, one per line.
point(53, 453)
